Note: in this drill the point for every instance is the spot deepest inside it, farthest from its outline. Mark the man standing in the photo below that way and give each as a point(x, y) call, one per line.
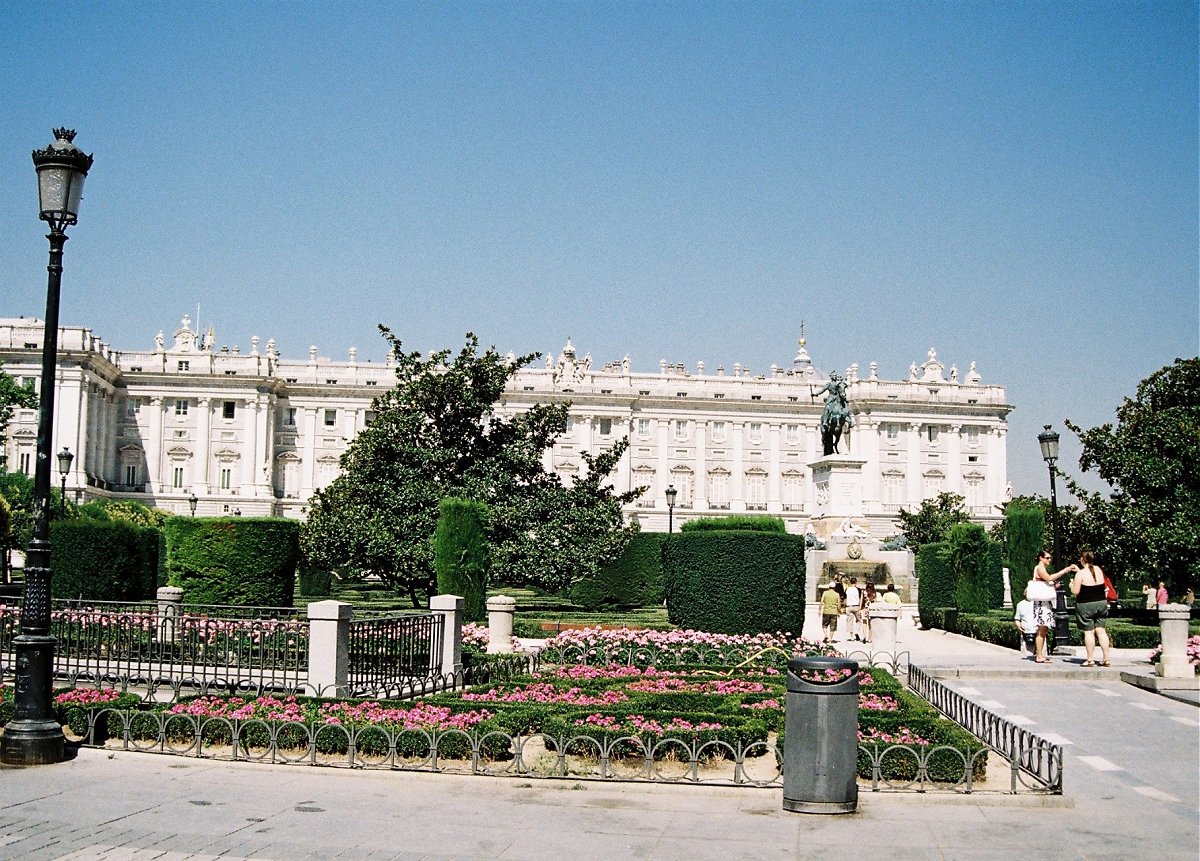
point(853, 608)
point(831, 607)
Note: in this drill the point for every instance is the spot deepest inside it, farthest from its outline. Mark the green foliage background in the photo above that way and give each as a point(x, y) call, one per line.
point(735, 582)
point(103, 561)
point(937, 582)
point(635, 579)
point(931, 521)
point(461, 556)
point(1024, 538)
point(235, 560)
point(745, 522)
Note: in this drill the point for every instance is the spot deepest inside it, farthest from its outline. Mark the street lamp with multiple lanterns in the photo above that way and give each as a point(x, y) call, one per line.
point(1048, 441)
point(33, 736)
point(192, 501)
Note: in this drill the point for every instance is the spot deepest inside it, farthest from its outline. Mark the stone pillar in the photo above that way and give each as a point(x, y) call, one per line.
point(153, 445)
point(450, 607)
point(736, 500)
point(1173, 663)
point(700, 468)
point(170, 603)
point(884, 617)
point(954, 469)
point(500, 624)
point(329, 648)
point(774, 469)
point(1008, 601)
point(912, 468)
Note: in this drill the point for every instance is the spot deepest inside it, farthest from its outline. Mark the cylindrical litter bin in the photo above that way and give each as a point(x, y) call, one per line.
point(820, 754)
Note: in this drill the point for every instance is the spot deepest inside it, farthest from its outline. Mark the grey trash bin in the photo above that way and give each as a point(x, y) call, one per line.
point(820, 753)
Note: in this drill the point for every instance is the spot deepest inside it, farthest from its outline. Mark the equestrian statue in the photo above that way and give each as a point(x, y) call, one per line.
point(835, 417)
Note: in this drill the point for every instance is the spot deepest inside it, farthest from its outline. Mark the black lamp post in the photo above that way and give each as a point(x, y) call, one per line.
point(671, 493)
point(64, 466)
point(192, 500)
point(1048, 441)
point(34, 737)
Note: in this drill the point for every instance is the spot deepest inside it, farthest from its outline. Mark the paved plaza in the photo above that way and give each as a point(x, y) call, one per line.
point(1132, 790)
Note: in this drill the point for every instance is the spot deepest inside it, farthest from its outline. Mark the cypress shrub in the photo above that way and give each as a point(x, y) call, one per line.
point(735, 582)
point(1023, 531)
point(313, 582)
point(103, 561)
point(745, 522)
point(461, 556)
point(936, 579)
point(633, 579)
point(970, 558)
point(245, 561)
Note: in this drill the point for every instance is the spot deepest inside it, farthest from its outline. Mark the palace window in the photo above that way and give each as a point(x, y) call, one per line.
point(793, 491)
point(718, 432)
point(228, 409)
point(972, 437)
point(289, 417)
point(756, 491)
point(226, 477)
point(181, 407)
point(177, 477)
point(643, 427)
point(718, 489)
point(680, 428)
point(756, 432)
point(330, 418)
point(131, 474)
point(681, 477)
point(793, 434)
point(183, 365)
point(605, 427)
point(932, 433)
point(893, 488)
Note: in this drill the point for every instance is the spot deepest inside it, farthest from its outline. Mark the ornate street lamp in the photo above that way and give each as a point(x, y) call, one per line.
point(1048, 441)
point(671, 493)
point(64, 466)
point(33, 736)
point(192, 500)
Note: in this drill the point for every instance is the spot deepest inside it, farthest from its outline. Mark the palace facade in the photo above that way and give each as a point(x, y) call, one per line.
point(253, 433)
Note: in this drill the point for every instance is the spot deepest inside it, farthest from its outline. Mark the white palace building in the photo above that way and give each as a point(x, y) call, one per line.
point(253, 433)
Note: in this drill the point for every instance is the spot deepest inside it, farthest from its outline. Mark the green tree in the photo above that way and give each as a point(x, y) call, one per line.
point(1024, 530)
point(1149, 526)
point(13, 395)
point(970, 561)
point(460, 553)
point(437, 434)
point(932, 519)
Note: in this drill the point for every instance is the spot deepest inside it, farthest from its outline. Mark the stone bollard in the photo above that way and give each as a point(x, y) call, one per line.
point(450, 607)
point(884, 617)
point(1173, 663)
point(500, 624)
point(329, 648)
point(170, 607)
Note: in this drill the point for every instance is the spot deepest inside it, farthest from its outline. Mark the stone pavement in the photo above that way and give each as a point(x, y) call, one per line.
point(1131, 778)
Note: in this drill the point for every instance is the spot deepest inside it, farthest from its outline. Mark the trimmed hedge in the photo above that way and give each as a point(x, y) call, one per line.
point(1024, 531)
point(461, 554)
point(735, 582)
point(247, 561)
point(936, 579)
point(634, 579)
point(997, 627)
point(103, 561)
point(744, 522)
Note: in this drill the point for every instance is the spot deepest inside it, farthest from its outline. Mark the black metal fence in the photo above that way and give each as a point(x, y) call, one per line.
point(395, 652)
point(1034, 762)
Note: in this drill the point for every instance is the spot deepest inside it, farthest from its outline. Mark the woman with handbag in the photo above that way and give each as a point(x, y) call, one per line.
point(1043, 595)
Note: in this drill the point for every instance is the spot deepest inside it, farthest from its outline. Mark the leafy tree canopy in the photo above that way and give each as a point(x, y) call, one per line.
point(1149, 526)
point(13, 396)
point(932, 519)
point(437, 434)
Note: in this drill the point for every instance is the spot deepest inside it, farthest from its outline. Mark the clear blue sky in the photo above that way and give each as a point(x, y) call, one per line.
point(1011, 183)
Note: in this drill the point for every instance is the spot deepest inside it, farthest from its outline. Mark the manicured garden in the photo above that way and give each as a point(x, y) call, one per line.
point(632, 703)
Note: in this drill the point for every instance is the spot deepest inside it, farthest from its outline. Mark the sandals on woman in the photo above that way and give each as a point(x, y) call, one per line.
point(1041, 660)
point(1089, 663)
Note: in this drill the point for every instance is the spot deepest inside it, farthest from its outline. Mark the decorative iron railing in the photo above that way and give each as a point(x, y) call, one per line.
point(394, 651)
point(1035, 763)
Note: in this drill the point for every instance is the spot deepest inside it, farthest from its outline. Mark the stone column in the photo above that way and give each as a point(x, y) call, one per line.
point(884, 617)
point(249, 447)
point(912, 469)
point(700, 485)
point(329, 648)
point(200, 482)
point(170, 602)
point(774, 469)
point(500, 624)
point(737, 499)
point(450, 607)
point(1173, 663)
point(154, 444)
point(662, 469)
point(308, 464)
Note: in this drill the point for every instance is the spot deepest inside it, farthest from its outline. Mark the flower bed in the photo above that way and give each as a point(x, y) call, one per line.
point(1193, 653)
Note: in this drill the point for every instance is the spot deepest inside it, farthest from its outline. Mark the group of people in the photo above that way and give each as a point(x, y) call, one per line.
point(1092, 591)
point(843, 597)
point(1156, 598)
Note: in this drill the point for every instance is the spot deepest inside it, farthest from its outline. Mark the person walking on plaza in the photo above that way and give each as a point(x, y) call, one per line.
point(853, 609)
point(1025, 623)
point(1091, 607)
point(869, 598)
point(1041, 592)
point(831, 608)
point(1160, 597)
point(1151, 596)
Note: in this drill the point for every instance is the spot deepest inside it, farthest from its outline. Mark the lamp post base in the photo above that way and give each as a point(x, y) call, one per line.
point(32, 742)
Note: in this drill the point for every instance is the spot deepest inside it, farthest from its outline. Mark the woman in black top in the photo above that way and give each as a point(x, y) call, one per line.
point(1091, 607)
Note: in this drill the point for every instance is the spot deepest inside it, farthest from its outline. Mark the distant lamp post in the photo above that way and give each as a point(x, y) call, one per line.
point(64, 466)
point(1048, 441)
point(33, 736)
point(192, 501)
point(671, 493)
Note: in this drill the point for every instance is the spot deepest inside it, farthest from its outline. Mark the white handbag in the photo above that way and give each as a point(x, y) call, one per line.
point(1039, 590)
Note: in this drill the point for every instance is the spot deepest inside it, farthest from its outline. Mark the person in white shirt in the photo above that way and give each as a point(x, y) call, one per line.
point(853, 610)
point(1026, 624)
